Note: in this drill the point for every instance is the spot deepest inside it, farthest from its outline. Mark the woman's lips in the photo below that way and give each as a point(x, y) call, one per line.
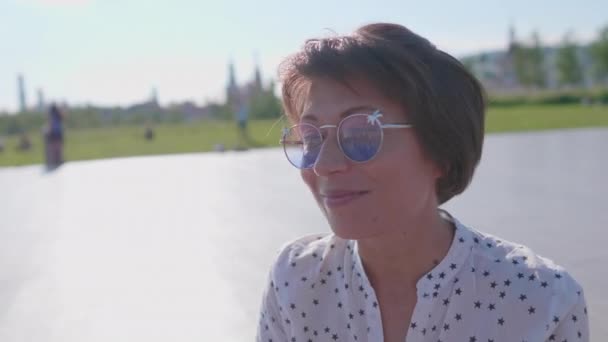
point(334, 199)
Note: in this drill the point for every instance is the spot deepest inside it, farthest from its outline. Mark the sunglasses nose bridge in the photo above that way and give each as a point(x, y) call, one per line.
point(331, 158)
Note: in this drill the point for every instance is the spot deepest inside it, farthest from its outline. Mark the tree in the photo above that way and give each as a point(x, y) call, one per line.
point(222, 111)
point(469, 64)
point(537, 62)
point(599, 52)
point(568, 66)
point(520, 63)
point(529, 62)
point(265, 105)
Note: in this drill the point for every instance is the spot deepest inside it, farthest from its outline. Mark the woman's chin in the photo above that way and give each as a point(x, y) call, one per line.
point(352, 224)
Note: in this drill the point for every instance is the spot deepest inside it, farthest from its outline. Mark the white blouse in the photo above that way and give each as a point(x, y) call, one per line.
point(485, 289)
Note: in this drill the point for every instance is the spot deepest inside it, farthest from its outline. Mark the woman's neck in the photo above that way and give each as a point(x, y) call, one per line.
point(403, 257)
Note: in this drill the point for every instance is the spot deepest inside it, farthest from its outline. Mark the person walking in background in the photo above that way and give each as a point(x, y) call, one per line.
point(242, 116)
point(24, 144)
point(149, 131)
point(53, 137)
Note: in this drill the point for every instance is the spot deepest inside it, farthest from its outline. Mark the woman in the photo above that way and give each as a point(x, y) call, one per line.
point(386, 129)
point(54, 137)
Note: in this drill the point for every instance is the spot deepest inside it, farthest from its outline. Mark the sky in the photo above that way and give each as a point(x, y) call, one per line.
point(114, 52)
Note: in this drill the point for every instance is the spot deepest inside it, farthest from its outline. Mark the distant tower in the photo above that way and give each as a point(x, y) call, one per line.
point(232, 90)
point(512, 39)
point(154, 96)
point(258, 76)
point(21, 89)
point(41, 103)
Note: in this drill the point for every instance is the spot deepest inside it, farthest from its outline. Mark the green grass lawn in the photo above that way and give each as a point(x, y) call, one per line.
point(534, 118)
point(203, 136)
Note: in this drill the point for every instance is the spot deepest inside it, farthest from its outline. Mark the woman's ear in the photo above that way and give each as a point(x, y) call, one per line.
point(440, 170)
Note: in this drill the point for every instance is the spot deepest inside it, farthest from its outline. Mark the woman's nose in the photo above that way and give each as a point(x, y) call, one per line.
point(331, 159)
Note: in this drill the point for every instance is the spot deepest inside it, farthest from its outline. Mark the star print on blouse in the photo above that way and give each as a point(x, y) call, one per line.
point(485, 289)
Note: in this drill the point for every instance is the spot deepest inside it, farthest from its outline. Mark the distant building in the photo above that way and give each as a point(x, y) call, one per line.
point(191, 112)
point(145, 107)
point(21, 91)
point(41, 103)
point(496, 69)
point(154, 96)
point(237, 96)
point(232, 89)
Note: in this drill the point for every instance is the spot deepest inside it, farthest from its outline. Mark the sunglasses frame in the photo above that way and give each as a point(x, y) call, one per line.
point(373, 118)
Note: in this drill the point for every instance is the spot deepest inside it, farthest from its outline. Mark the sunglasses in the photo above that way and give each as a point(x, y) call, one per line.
point(360, 138)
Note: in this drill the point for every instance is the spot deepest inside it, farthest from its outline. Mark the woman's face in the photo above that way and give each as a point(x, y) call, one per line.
point(362, 200)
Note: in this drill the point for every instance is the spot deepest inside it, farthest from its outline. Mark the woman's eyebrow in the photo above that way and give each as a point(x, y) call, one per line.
point(349, 111)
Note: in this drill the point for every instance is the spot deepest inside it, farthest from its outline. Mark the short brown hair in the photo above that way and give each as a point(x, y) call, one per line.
point(444, 102)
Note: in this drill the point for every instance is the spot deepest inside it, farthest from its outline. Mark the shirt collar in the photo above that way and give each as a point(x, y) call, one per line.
point(452, 262)
point(444, 272)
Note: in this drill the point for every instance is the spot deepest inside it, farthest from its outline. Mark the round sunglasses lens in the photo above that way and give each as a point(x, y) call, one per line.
point(302, 144)
point(360, 137)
